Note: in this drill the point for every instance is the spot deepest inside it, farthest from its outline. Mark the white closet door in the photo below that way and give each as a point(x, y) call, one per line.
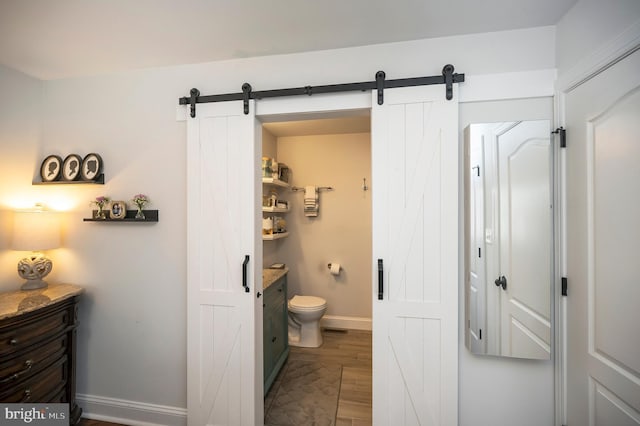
point(221, 202)
point(415, 234)
point(603, 234)
point(524, 173)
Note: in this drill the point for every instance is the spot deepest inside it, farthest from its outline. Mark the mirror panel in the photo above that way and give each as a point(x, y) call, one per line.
point(509, 238)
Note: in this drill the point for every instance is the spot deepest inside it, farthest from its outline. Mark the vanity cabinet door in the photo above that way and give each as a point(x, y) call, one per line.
point(267, 327)
point(275, 330)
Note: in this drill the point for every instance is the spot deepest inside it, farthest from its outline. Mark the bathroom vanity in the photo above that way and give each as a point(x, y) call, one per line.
point(275, 323)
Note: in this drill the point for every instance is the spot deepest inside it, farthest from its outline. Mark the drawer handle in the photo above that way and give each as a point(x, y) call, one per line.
point(27, 366)
point(13, 341)
point(27, 395)
point(273, 340)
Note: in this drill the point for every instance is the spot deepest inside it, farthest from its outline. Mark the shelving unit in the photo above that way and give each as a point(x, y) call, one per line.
point(150, 216)
point(272, 182)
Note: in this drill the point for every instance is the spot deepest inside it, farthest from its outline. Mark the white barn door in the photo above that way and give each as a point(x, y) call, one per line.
point(415, 235)
point(222, 170)
point(603, 209)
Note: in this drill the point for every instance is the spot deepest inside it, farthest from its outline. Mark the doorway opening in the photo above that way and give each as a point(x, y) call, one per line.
point(331, 383)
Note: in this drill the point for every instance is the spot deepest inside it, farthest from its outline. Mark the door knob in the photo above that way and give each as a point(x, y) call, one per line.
point(501, 282)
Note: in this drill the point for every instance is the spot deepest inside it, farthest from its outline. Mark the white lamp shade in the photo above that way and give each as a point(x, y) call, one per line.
point(35, 230)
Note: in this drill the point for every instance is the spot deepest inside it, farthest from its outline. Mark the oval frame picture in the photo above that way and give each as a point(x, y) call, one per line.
point(118, 210)
point(71, 167)
point(91, 167)
point(51, 168)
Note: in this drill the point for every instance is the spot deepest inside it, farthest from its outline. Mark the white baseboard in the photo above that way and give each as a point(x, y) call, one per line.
point(351, 323)
point(131, 413)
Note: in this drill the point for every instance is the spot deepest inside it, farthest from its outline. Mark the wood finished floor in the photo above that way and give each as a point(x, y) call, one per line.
point(352, 350)
point(349, 348)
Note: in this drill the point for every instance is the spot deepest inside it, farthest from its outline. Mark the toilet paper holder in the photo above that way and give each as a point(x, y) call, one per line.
point(330, 265)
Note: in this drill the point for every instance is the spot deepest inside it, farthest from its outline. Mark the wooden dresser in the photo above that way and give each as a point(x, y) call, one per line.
point(38, 346)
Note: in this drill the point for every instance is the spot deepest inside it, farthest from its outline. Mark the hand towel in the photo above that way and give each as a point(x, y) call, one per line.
point(310, 201)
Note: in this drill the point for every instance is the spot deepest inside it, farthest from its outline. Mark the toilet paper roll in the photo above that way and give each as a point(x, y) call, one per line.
point(335, 268)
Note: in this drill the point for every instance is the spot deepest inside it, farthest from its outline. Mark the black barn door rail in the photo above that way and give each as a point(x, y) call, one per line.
point(447, 78)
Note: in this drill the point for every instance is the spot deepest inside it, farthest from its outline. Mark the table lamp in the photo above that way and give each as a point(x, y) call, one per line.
point(35, 230)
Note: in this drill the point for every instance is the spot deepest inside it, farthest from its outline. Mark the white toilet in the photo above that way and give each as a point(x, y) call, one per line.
point(304, 321)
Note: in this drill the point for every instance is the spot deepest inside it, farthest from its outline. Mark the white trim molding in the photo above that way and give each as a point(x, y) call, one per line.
point(350, 323)
point(509, 85)
point(132, 413)
point(600, 59)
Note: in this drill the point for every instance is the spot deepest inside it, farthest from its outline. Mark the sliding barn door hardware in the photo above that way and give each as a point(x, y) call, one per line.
point(562, 132)
point(246, 95)
point(380, 86)
point(192, 101)
point(448, 78)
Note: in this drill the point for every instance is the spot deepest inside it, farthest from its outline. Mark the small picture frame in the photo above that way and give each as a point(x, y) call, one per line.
point(71, 167)
point(51, 168)
point(117, 210)
point(91, 167)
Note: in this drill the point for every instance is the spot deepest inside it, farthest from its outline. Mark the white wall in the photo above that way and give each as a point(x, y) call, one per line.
point(589, 26)
point(20, 121)
point(498, 390)
point(341, 232)
point(133, 316)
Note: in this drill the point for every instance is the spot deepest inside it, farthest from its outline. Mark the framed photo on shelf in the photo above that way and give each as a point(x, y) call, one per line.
point(91, 167)
point(118, 210)
point(71, 167)
point(51, 168)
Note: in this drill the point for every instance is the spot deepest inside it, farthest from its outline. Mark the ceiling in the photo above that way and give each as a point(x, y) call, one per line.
point(298, 126)
point(67, 38)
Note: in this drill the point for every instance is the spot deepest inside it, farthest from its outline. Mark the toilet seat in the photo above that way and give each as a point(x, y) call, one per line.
point(307, 303)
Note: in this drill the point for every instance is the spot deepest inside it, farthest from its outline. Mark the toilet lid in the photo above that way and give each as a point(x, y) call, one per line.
point(307, 302)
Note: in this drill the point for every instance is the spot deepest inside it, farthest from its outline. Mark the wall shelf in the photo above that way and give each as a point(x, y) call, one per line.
point(275, 182)
point(99, 180)
point(275, 210)
point(271, 237)
point(150, 216)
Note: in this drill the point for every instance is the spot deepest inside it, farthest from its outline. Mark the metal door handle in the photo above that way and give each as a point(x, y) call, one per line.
point(244, 274)
point(501, 282)
point(380, 280)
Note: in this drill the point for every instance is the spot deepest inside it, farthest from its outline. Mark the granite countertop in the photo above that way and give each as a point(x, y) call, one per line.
point(270, 276)
point(19, 302)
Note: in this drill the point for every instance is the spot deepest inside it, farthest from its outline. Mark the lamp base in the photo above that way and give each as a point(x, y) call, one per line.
point(34, 285)
point(33, 269)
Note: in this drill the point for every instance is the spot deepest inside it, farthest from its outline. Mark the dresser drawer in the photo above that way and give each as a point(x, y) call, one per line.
point(13, 339)
point(29, 363)
point(41, 386)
